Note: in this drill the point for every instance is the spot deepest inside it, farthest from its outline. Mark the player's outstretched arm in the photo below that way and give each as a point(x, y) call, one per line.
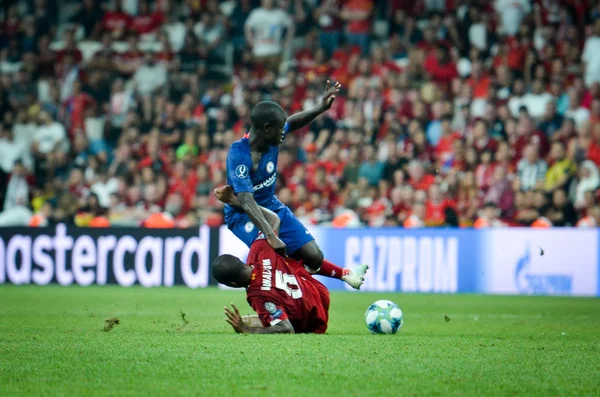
point(299, 120)
point(227, 196)
point(253, 210)
point(235, 320)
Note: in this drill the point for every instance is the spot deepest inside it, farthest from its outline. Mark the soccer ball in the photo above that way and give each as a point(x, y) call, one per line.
point(384, 317)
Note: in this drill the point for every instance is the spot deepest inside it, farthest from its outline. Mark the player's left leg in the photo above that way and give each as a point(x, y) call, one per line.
point(302, 245)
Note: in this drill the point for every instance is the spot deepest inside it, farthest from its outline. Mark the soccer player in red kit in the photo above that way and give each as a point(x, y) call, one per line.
point(285, 296)
point(281, 290)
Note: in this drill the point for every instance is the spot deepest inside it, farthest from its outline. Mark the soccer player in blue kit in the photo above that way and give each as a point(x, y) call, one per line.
point(251, 172)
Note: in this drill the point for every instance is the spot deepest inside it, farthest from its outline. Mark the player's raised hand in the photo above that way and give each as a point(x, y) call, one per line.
point(330, 92)
point(234, 319)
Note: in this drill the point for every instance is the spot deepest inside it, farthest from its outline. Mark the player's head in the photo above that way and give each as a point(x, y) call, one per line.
point(230, 271)
point(268, 120)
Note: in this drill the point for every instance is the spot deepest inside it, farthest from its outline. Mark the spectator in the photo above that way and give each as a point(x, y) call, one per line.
point(69, 49)
point(211, 33)
point(481, 138)
point(327, 16)
point(531, 169)
point(592, 219)
point(146, 21)
point(435, 207)
point(562, 170)
point(237, 20)
point(104, 187)
point(417, 217)
point(537, 101)
point(49, 136)
point(484, 172)
point(150, 77)
point(357, 15)
point(371, 169)
point(351, 169)
point(591, 56)
point(264, 30)
point(489, 217)
point(15, 211)
point(575, 111)
point(17, 190)
point(419, 180)
point(22, 90)
point(11, 152)
point(588, 180)
point(561, 212)
point(89, 16)
point(447, 139)
point(551, 121)
point(116, 21)
point(500, 192)
point(511, 13)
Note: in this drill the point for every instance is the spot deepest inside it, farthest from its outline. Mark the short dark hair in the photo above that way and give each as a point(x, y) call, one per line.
point(266, 112)
point(226, 269)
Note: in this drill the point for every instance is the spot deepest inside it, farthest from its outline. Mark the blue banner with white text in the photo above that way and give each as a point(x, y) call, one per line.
point(511, 261)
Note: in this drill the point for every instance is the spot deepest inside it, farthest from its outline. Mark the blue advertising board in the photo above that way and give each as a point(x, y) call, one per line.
point(558, 261)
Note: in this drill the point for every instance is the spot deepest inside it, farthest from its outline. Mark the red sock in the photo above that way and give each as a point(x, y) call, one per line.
point(328, 269)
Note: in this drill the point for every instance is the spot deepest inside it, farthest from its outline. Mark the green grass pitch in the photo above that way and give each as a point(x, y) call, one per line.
point(52, 343)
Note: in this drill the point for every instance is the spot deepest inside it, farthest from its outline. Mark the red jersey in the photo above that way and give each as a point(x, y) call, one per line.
point(76, 106)
point(115, 20)
point(281, 289)
point(435, 212)
point(147, 23)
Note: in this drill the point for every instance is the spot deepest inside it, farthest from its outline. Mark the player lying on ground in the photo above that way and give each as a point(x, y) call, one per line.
point(285, 296)
point(251, 171)
point(353, 277)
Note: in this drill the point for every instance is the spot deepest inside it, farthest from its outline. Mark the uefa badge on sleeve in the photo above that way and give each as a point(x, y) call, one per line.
point(271, 308)
point(241, 171)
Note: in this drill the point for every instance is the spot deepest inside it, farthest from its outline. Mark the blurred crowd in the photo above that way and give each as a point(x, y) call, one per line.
point(453, 112)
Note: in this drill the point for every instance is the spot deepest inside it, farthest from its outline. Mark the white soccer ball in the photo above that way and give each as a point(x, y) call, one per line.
point(384, 317)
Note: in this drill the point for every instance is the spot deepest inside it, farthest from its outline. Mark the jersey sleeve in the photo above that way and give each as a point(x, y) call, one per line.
point(239, 164)
point(269, 311)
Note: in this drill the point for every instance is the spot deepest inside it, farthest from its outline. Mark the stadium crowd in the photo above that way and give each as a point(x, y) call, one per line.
point(470, 113)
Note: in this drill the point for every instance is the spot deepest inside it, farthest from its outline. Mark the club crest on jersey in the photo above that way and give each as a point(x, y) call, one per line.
point(241, 171)
point(248, 227)
point(271, 308)
point(270, 167)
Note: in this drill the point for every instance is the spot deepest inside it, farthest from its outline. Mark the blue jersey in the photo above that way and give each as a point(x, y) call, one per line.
point(243, 179)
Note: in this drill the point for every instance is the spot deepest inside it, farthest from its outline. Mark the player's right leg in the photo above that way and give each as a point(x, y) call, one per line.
point(302, 245)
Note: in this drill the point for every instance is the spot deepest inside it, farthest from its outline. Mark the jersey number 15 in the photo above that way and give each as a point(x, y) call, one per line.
point(285, 281)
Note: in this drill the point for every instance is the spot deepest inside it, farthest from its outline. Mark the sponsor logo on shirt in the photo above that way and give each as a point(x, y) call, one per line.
point(271, 180)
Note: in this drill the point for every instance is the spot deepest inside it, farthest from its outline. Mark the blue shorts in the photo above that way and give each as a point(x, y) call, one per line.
point(292, 232)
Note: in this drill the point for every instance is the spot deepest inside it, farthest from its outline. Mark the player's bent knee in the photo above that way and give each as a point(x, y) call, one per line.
point(312, 255)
